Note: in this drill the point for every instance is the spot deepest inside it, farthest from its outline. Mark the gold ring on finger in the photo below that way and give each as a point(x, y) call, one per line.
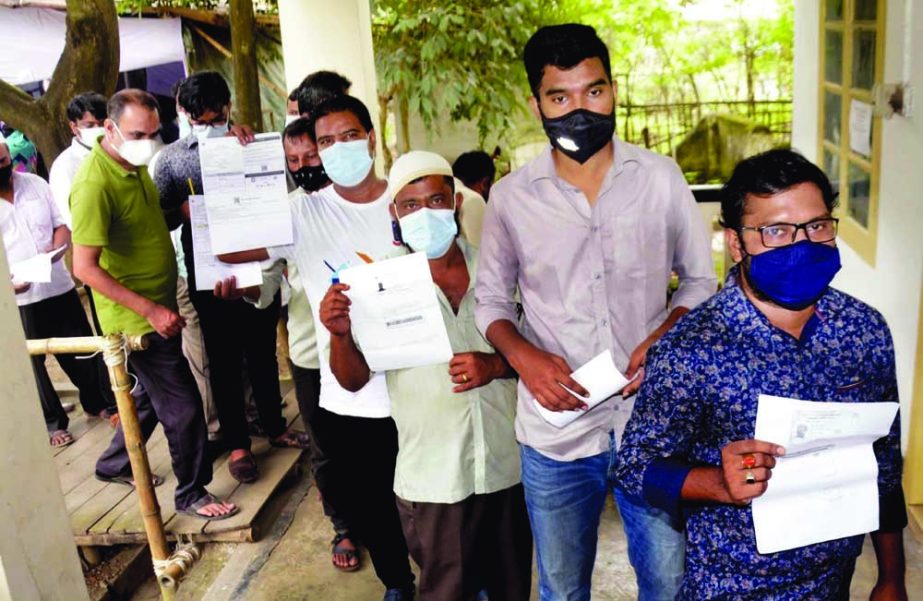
point(750, 477)
point(465, 378)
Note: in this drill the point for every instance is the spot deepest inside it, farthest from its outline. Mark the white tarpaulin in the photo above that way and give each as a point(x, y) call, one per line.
point(33, 39)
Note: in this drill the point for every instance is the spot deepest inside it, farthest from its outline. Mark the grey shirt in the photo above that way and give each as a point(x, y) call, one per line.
point(591, 277)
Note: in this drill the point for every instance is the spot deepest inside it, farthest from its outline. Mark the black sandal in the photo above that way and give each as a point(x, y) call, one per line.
point(350, 554)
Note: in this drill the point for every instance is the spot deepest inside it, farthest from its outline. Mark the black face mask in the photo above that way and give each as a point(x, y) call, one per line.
point(580, 133)
point(311, 179)
point(5, 174)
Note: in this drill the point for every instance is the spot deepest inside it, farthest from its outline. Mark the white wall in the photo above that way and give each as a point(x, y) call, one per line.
point(893, 285)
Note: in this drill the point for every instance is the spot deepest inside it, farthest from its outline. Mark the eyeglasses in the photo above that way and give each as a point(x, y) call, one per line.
point(783, 234)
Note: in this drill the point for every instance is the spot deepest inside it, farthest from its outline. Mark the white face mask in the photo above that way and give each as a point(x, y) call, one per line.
point(182, 121)
point(137, 152)
point(347, 163)
point(203, 132)
point(429, 230)
point(89, 135)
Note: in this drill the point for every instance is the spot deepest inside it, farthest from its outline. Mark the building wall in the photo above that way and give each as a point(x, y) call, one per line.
point(893, 285)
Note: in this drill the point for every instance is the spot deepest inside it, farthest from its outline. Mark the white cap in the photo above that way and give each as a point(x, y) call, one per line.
point(414, 165)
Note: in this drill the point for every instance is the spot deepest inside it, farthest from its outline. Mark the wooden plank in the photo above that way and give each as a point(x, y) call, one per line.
point(80, 424)
point(275, 464)
point(160, 462)
point(75, 467)
point(98, 431)
point(222, 485)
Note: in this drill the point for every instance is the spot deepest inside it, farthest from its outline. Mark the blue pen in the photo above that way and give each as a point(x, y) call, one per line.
point(335, 279)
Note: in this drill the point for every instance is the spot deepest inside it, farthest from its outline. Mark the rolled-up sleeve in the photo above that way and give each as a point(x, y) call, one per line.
point(692, 260)
point(498, 270)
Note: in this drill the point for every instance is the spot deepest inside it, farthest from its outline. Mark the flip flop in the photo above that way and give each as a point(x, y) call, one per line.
point(292, 439)
point(350, 554)
point(127, 480)
point(207, 499)
point(64, 437)
point(244, 469)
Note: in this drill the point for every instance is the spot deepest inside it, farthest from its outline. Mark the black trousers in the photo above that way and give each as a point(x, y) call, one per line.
point(166, 392)
point(483, 542)
point(359, 482)
point(63, 316)
point(307, 392)
point(235, 332)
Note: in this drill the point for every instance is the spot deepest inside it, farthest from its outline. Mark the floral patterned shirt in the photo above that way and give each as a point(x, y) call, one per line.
point(700, 393)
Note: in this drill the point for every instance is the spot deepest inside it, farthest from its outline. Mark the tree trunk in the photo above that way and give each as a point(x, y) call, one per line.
point(403, 107)
point(246, 73)
point(384, 105)
point(90, 61)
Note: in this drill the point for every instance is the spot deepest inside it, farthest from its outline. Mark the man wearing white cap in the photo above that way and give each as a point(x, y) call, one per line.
point(457, 476)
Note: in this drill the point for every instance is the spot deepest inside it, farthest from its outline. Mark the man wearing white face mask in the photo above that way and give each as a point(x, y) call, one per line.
point(122, 249)
point(457, 475)
point(85, 115)
point(234, 331)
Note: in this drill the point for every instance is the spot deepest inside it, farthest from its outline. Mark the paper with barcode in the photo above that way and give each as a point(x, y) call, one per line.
point(825, 487)
point(600, 377)
point(395, 313)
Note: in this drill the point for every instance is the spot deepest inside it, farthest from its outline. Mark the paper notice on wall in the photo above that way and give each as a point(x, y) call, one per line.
point(860, 127)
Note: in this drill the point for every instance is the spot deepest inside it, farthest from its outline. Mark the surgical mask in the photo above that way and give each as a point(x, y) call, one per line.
point(311, 179)
point(794, 276)
point(89, 135)
point(5, 174)
point(182, 121)
point(289, 119)
point(347, 163)
point(203, 132)
point(137, 152)
point(429, 230)
point(580, 133)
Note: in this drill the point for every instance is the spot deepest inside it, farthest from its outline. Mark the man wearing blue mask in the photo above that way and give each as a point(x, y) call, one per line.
point(233, 331)
point(589, 233)
point(776, 328)
point(457, 474)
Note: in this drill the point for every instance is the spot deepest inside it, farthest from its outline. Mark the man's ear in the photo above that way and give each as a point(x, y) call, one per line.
point(372, 142)
point(459, 199)
point(393, 210)
point(615, 92)
point(533, 106)
point(735, 248)
point(74, 129)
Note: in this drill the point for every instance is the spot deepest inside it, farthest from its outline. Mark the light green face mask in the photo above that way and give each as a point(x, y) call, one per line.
point(429, 230)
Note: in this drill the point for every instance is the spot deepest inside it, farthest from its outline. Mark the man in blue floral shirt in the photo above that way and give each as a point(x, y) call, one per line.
point(777, 329)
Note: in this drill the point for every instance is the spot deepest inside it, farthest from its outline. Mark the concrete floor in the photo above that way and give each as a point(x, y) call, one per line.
point(293, 563)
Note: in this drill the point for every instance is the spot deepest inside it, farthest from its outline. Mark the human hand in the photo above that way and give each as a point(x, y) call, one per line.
point(20, 288)
point(58, 255)
point(334, 310)
point(227, 289)
point(472, 370)
point(243, 133)
point(166, 322)
point(544, 374)
point(635, 371)
point(887, 590)
point(746, 469)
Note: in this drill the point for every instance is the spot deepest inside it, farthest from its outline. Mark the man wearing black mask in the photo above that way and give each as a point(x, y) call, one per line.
point(589, 233)
point(301, 156)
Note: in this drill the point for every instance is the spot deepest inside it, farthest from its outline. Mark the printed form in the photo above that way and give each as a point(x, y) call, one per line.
point(826, 485)
point(395, 313)
point(246, 195)
point(35, 270)
point(209, 270)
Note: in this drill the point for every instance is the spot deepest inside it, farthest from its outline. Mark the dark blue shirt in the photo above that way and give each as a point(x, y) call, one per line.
point(700, 393)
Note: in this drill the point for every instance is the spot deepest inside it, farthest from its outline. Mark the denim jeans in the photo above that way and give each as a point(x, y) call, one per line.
point(565, 500)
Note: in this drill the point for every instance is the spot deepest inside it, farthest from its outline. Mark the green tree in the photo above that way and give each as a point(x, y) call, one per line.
point(90, 61)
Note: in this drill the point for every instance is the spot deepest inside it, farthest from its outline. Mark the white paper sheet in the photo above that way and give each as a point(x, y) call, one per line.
point(395, 314)
point(826, 485)
point(860, 127)
point(600, 377)
point(208, 269)
point(246, 194)
point(35, 270)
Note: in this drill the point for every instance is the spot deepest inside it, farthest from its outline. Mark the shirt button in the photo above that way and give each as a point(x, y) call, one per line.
point(605, 322)
point(595, 228)
point(598, 276)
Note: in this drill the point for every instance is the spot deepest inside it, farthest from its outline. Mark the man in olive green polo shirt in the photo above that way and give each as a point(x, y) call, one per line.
point(122, 250)
point(458, 475)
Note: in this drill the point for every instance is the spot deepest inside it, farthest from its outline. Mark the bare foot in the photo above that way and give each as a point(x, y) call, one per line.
point(344, 555)
point(216, 509)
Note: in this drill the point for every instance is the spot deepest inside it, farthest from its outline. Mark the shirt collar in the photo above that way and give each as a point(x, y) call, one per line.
point(543, 166)
point(110, 163)
point(190, 141)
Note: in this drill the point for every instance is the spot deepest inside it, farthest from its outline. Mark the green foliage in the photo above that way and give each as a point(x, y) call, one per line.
point(136, 6)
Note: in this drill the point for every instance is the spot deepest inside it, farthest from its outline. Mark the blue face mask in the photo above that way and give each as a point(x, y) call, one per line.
point(794, 276)
point(347, 163)
point(429, 230)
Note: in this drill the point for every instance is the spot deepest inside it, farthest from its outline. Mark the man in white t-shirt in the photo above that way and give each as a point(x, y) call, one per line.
point(345, 224)
point(30, 224)
point(85, 115)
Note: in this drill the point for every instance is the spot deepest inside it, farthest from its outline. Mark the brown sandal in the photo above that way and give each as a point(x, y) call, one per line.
point(292, 439)
point(244, 469)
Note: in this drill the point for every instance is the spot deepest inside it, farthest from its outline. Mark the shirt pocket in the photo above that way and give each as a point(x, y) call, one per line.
point(856, 389)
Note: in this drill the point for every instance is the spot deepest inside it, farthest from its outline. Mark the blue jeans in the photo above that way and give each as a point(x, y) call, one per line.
point(565, 500)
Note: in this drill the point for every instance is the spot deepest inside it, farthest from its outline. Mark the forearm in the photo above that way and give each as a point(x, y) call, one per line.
point(103, 283)
point(705, 484)
point(889, 551)
point(244, 256)
point(61, 237)
point(348, 363)
point(502, 367)
point(504, 336)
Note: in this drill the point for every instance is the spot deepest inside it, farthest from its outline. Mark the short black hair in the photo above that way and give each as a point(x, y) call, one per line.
point(123, 98)
point(317, 88)
point(88, 102)
point(342, 104)
point(564, 47)
point(473, 166)
point(203, 91)
point(767, 174)
point(298, 128)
